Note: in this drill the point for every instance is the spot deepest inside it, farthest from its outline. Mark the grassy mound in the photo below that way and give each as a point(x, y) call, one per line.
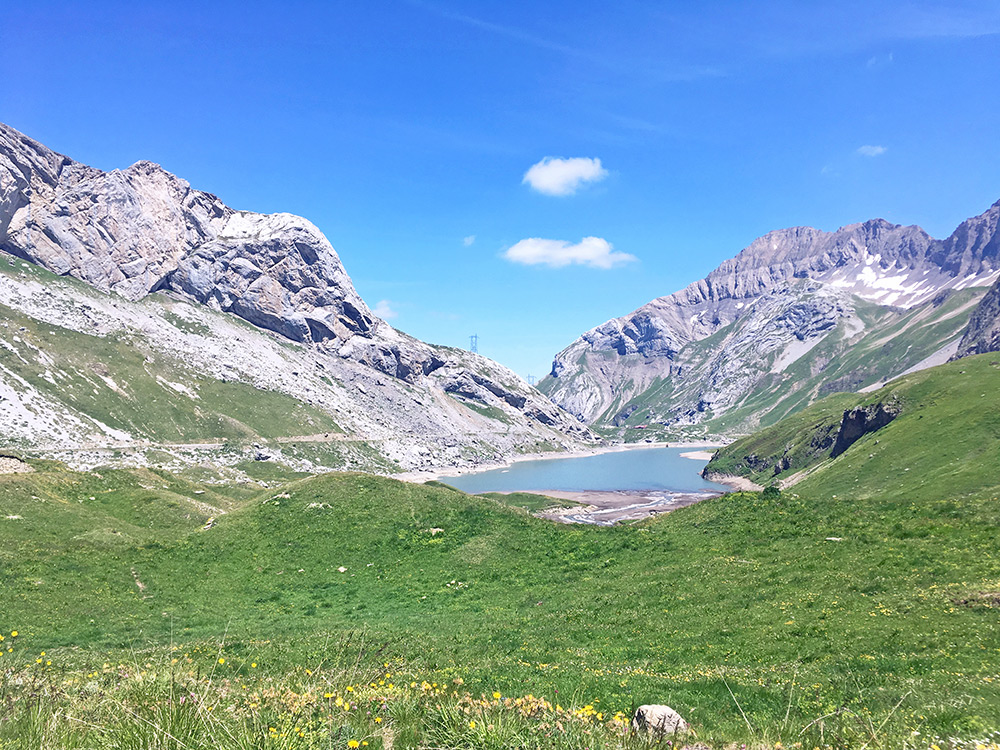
point(852, 610)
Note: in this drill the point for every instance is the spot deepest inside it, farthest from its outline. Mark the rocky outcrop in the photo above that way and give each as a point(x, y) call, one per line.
point(862, 420)
point(142, 229)
point(278, 272)
point(827, 437)
point(135, 232)
point(983, 333)
point(744, 332)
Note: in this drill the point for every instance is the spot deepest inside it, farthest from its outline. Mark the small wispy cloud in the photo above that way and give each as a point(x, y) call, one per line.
point(872, 150)
point(469, 241)
point(384, 310)
point(593, 252)
point(880, 60)
point(555, 176)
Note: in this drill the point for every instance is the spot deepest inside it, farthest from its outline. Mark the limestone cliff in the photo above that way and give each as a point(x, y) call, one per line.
point(142, 233)
point(983, 333)
point(792, 312)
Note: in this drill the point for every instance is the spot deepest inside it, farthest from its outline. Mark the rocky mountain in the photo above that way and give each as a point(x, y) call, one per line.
point(126, 361)
point(983, 333)
point(797, 314)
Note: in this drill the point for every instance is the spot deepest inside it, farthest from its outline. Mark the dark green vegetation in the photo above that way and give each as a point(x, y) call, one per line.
point(852, 609)
point(943, 442)
point(529, 502)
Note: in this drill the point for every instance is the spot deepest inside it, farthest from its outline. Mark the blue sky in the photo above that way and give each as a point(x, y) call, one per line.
point(404, 130)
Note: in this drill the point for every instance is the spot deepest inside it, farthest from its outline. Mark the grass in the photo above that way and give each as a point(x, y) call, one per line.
point(237, 696)
point(529, 501)
point(946, 433)
point(851, 611)
point(148, 395)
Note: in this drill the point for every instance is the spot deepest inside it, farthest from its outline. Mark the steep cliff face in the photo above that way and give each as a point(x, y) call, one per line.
point(983, 333)
point(785, 309)
point(143, 232)
point(142, 229)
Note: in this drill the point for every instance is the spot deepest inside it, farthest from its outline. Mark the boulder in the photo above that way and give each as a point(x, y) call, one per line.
point(658, 719)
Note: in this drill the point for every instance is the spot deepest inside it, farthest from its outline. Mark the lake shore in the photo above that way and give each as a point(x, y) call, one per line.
point(608, 508)
point(441, 474)
point(737, 483)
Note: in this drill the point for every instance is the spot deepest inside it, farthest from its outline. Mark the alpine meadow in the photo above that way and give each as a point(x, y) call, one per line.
point(760, 511)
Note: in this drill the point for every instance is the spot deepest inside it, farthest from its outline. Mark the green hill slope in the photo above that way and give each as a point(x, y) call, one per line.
point(862, 595)
point(743, 591)
point(942, 441)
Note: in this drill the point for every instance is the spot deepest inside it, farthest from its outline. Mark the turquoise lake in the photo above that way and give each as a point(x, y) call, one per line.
point(635, 469)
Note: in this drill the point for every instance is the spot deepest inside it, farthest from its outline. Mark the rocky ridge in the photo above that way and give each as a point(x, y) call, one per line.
point(148, 246)
point(764, 312)
point(983, 333)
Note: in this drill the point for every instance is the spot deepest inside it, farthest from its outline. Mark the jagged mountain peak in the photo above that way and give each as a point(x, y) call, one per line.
point(143, 229)
point(133, 232)
point(791, 288)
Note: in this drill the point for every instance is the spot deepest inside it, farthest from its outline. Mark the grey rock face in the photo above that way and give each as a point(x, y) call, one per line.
point(860, 421)
point(983, 333)
point(770, 305)
point(658, 720)
point(278, 272)
point(141, 230)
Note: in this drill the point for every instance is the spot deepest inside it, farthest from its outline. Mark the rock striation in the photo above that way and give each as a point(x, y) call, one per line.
point(143, 234)
point(785, 313)
point(140, 230)
point(983, 333)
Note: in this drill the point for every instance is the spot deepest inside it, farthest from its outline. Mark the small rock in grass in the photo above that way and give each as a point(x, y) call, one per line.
point(658, 719)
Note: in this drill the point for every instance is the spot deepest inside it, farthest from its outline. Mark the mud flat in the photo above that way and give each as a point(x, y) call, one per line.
point(608, 508)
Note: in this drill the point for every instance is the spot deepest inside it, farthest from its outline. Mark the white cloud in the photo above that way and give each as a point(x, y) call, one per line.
point(555, 176)
point(468, 241)
point(880, 60)
point(593, 252)
point(872, 150)
point(384, 310)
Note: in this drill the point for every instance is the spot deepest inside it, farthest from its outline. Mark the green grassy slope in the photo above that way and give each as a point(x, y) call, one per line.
point(743, 592)
point(78, 370)
point(894, 341)
point(944, 443)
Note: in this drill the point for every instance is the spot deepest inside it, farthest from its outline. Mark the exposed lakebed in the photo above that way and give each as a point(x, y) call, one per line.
point(607, 487)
